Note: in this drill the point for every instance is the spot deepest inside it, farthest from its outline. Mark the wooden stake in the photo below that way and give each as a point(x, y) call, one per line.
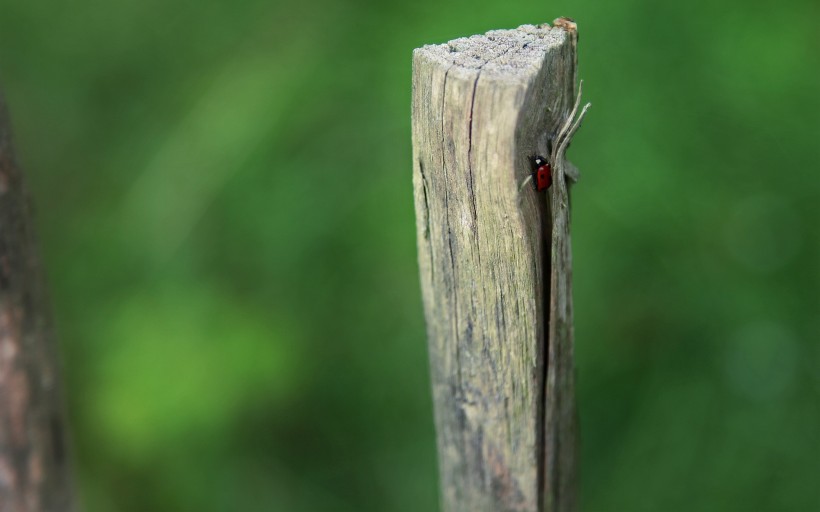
point(34, 471)
point(495, 264)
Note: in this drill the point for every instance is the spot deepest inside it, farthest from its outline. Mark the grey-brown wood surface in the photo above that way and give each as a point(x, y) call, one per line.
point(495, 264)
point(34, 471)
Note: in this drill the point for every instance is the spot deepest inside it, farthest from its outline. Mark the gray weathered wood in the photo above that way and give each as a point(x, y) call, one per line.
point(495, 264)
point(34, 472)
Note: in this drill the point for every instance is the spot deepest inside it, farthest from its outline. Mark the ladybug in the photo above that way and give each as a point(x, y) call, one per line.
point(543, 173)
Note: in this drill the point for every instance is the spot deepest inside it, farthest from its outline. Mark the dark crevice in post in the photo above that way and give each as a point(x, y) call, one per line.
point(546, 266)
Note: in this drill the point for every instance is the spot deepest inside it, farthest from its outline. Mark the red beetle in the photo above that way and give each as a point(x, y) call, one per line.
point(543, 173)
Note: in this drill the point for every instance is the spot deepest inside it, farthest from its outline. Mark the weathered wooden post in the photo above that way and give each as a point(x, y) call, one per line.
point(34, 471)
point(495, 263)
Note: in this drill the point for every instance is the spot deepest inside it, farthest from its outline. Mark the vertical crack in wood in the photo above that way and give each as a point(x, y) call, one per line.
point(470, 163)
point(546, 266)
point(426, 213)
point(453, 275)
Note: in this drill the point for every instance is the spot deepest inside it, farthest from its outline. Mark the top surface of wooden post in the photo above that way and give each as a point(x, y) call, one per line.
point(483, 106)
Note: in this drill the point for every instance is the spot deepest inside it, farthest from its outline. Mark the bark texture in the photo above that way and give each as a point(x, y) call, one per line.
point(34, 472)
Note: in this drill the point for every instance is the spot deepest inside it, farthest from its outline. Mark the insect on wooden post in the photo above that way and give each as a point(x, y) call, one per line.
point(495, 261)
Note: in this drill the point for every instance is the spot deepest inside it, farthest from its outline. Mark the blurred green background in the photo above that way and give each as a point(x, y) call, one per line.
point(224, 202)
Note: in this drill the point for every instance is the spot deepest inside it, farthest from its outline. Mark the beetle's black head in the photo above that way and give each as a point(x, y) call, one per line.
point(538, 161)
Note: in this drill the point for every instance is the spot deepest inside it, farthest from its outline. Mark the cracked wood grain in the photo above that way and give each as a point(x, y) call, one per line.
point(34, 471)
point(495, 265)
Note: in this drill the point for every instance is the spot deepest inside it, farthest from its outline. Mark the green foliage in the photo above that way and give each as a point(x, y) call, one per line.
point(225, 208)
